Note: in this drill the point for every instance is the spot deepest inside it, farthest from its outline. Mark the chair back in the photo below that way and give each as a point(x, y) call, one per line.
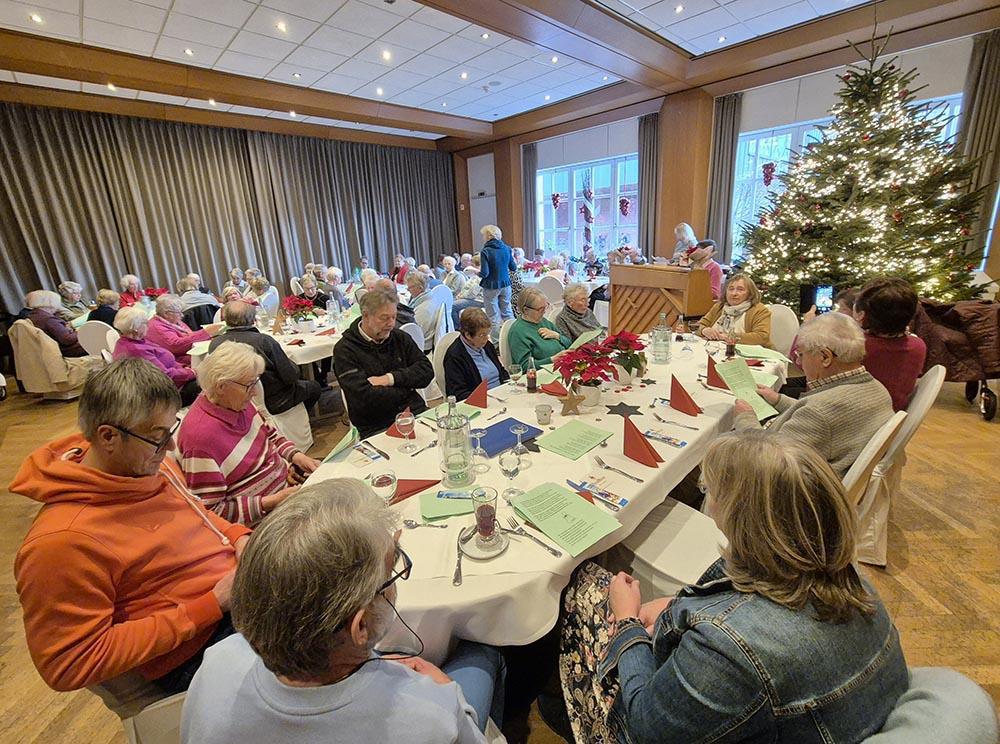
point(41, 367)
point(296, 284)
point(554, 309)
point(924, 395)
point(111, 339)
point(270, 301)
point(856, 479)
point(504, 350)
point(442, 295)
point(438, 359)
point(551, 287)
point(784, 328)
point(558, 274)
point(159, 723)
point(217, 318)
point(93, 336)
point(415, 332)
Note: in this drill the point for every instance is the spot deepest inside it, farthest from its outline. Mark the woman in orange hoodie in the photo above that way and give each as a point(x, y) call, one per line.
point(123, 569)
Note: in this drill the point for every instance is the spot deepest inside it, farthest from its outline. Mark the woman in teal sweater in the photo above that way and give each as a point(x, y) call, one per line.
point(533, 336)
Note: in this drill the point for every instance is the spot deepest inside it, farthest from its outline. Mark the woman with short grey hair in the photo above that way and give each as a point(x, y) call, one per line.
point(132, 323)
point(576, 317)
point(44, 306)
point(233, 459)
point(248, 276)
point(168, 330)
point(236, 279)
point(533, 338)
point(131, 290)
point(72, 306)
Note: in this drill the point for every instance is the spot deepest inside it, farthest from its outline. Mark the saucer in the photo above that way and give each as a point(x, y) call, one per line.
point(475, 552)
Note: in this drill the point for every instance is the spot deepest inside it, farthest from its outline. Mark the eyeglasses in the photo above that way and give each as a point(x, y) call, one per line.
point(157, 446)
point(403, 574)
point(247, 387)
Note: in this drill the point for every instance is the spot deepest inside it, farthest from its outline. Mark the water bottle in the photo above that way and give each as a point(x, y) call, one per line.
point(455, 445)
point(532, 376)
point(661, 341)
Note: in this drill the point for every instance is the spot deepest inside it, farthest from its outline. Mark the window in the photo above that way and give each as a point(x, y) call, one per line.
point(754, 149)
point(561, 228)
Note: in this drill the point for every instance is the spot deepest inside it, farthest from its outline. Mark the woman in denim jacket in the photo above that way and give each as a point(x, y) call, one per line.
point(780, 641)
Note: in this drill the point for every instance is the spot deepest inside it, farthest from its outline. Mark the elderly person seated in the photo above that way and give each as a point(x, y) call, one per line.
point(843, 405)
point(702, 257)
point(428, 274)
point(248, 277)
point(122, 570)
point(130, 290)
point(453, 280)
point(334, 282)
point(233, 459)
point(263, 294)
point(576, 317)
point(72, 306)
point(517, 253)
point(236, 280)
point(424, 312)
point(43, 307)
point(196, 278)
point(107, 305)
point(314, 594)
point(380, 368)
point(311, 293)
point(230, 294)
point(168, 330)
point(191, 294)
point(686, 240)
point(781, 639)
point(132, 324)
point(283, 388)
point(473, 294)
point(404, 313)
point(366, 280)
point(399, 269)
point(472, 358)
point(740, 316)
point(533, 337)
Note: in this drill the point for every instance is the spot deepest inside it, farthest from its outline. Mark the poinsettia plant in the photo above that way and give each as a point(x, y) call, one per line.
point(298, 309)
point(589, 365)
point(626, 350)
point(539, 267)
point(154, 292)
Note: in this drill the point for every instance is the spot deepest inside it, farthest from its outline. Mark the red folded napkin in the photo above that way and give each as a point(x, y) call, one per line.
point(554, 388)
point(406, 487)
point(681, 400)
point(392, 431)
point(587, 495)
point(713, 375)
point(327, 332)
point(637, 447)
point(477, 397)
point(754, 362)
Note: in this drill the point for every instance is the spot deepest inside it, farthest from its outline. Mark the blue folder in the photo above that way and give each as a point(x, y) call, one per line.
point(499, 437)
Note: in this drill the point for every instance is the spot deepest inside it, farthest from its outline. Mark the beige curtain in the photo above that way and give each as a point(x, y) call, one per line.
point(979, 134)
point(725, 135)
point(529, 196)
point(649, 161)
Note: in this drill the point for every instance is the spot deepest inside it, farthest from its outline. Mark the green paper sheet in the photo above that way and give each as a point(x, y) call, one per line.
point(199, 348)
point(763, 378)
point(752, 351)
point(431, 507)
point(574, 524)
point(349, 438)
point(736, 375)
point(463, 408)
point(545, 375)
point(573, 439)
point(586, 338)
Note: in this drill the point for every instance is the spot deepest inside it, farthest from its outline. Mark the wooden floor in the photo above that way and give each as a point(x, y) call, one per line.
point(942, 585)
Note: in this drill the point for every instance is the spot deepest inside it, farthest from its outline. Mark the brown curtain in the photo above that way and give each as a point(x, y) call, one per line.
point(725, 135)
point(649, 162)
point(529, 197)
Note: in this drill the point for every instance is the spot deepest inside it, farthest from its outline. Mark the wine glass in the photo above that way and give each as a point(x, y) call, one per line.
point(519, 430)
point(515, 375)
point(510, 466)
point(405, 423)
point(482, 466)
point(384, 484)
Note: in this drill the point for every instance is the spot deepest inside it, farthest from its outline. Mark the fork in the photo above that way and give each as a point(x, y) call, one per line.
point(715, 389)
point(425, 447)
point(498, 413)
point(675, 423)
point(519, 530)
point(497, 398)
point(604, 466)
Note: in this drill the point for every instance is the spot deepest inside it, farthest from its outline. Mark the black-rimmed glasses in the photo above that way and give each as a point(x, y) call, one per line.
point(157, 445)
point(248, 387)
point(403, 573)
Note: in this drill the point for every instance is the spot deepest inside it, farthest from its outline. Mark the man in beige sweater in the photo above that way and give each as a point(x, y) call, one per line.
point(843, 405)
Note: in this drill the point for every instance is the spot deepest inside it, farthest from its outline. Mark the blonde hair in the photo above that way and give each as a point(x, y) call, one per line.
point(108, 297)
point(752, 292)
point(789, 524)
point(43, 299)
point(229, 361)
point(490, 232)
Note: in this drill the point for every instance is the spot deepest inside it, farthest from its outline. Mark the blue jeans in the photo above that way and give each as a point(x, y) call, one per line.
point(498, 308)
point(480, 673)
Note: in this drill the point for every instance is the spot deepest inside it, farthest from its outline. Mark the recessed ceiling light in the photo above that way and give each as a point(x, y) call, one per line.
point(379, 91)
point(292, 114)
point(189, 52)
point(211, 101)
point(548, 98)
point(604, 78)
point(464, 76)
point(485, 35)
point(722, 39)
point(296, 75)
point(111, 86)
point(679, 9)
point(282, 27)
point(386, 55)
point(444, 104)
point(35, 18)
point(554, 60)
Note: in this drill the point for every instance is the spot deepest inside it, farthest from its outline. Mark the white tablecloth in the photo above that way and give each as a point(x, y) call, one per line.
point(315, 347)
point(513, 599)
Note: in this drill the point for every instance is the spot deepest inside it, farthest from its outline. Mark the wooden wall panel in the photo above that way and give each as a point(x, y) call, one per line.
point(510, 210)
point(463, 211)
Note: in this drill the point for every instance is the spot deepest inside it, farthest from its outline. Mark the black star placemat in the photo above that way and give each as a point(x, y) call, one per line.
point(648, 382)
point(623, 409)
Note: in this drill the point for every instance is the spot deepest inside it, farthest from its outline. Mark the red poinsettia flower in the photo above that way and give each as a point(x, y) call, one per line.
point(588, 365)
point(297, 307)
point(154, 291)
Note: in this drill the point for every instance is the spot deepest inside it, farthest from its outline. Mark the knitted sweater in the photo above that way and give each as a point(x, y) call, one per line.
point(572, 324)
point(837, 416)
point(896, 363)
point(232, 459)
point(527, 343)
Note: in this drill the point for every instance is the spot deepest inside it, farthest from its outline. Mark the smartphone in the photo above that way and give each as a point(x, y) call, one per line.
point(824, 298)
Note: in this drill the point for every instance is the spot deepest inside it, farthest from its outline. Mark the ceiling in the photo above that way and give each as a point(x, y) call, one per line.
point(703, 26)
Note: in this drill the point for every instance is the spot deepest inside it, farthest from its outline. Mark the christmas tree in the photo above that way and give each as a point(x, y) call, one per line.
point(880, 194)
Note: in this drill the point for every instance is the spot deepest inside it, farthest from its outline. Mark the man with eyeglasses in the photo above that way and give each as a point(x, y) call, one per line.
point(314, 594)
point(124, 576)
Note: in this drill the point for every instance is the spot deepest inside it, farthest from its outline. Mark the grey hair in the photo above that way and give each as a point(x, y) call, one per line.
point(837, 332)
point(186, 285)
point(575, 289)
point(230, 289)
point(132, 322)
point(313, 563)
point(335, 275)
point(687, 233)
point(68, 288)
point(43, 299)
point(366, 275)
point(491, 232)
point(125, 393)
point(108, 297)
point(530, 296)
point(517, 252)
point(251, 270)
point(236, 273)
point(128, 279)
point(237, 313)
point(376, 299)
point(411, 261)
point(169, 303)
point(414, 278)
point(448, 262)
point(230, 360)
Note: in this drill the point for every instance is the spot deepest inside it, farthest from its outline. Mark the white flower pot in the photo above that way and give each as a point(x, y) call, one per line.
point(305, 326)
point(621, 376)
point(591, 395)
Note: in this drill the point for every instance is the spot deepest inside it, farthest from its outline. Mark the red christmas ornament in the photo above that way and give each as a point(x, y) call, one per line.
point(588, 195)
point(556, 200)
point(897, 216)
point(865, 137)
point(894, 186)
point(904, 93)
point(768, 169)
point(817, 207)
point(964, 231)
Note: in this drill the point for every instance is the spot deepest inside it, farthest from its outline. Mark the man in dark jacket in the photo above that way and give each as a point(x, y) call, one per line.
point(379, 367)
point(283, 390)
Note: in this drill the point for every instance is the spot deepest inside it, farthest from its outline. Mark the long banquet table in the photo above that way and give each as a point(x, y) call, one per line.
point(513, 599)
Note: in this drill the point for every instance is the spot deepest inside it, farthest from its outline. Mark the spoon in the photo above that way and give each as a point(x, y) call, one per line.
point(412, 525)
point(498, 413)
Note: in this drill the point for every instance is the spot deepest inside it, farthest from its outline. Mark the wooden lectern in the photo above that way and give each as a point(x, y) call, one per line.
point(640, 293)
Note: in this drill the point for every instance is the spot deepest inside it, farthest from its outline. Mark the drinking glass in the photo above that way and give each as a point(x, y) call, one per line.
point(484, 502)
point(515, 375)
point(510, 466)
point(519, 430)
point(384, 484)
point(482, 466)
point(405, 423)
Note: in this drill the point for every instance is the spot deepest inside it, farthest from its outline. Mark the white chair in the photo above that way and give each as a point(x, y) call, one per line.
point(111, 339)
point(551, 287)
point(873, 511)
point(558, 274)
point(42, 368)
point(504, 350)
point(296, 284)
point(293, 424)
point(217, 318)
point(159, 723)
point(93, 336)
point(270, 301)
point(443, 296)
point(856, 479)
point(437, 360)
point(554, 309)
point(106, 356)
point(784, 328)
point(415, 332)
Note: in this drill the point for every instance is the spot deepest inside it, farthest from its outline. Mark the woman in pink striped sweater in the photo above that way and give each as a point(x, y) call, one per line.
point(232, 457)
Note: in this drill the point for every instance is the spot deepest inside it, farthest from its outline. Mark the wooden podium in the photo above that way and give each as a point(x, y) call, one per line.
point(640, 293)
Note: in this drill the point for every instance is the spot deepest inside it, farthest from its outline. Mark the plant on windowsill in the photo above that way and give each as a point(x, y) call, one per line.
point(584, 369)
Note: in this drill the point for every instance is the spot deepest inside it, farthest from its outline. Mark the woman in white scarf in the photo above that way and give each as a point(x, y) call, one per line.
point(739, 316)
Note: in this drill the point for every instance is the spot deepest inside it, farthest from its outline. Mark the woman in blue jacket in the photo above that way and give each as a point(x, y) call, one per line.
point(496, 263)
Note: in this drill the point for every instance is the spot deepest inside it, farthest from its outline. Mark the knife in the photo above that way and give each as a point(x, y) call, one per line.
point(372, 446)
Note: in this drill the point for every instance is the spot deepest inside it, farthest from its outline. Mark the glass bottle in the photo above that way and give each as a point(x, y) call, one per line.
point(531, 376)
point(455, 445)
point(661, 338)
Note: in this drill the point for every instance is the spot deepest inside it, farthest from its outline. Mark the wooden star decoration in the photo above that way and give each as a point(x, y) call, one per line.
point(647, 382)
point(571, 403)
point(623, 410)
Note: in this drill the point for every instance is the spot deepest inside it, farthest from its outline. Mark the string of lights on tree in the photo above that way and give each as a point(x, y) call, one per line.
point(879, 194)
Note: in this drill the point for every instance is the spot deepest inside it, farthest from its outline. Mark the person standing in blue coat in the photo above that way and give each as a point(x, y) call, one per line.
point(495, 267)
